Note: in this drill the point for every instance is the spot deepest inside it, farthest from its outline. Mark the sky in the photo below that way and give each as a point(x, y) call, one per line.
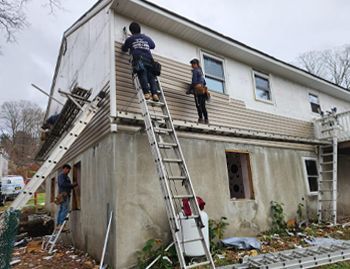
point(282, 28)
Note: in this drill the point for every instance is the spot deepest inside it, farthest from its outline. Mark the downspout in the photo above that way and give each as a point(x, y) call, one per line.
point(112, 81)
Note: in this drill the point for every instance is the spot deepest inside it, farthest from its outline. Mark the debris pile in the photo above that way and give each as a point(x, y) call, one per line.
point(32, 256)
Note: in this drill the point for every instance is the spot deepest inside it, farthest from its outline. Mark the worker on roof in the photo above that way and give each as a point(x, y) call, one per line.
point(200, 91)
point(139, 46)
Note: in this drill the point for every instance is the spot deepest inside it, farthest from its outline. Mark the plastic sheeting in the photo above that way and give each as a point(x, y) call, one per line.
point(322, 241)
point(242, 242)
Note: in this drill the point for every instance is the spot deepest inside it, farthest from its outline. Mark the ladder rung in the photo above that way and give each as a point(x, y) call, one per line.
point(326, 180)
point(183, 196)
point(189, 217)
point(327, 171)
point(149, 102)
point(158, 116)
point(326, 190)
point(327, 154)
point(162, 130)
point(198, 264)
point(326, 200)
point(177, 178)
point(191, 240)
point(167, 145)
point(326, 163)
point(172, 160)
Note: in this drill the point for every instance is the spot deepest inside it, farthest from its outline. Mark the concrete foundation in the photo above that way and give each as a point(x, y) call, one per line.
point(119, 173)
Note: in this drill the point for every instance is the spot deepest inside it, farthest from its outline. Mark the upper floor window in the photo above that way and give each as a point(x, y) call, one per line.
point(214, 73)
point(262, 87)
point(311, 174)
point(315, 103)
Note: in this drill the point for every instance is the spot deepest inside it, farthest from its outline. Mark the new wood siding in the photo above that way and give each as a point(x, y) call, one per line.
point(222, 109)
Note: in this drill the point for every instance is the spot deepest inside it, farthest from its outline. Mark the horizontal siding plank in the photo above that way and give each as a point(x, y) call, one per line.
point(223, 110)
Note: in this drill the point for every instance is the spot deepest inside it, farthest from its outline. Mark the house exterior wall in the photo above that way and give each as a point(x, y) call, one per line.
point(343, 185)
point(85, 58)
point(98, 198)
point(140, 204)
point(290, 99)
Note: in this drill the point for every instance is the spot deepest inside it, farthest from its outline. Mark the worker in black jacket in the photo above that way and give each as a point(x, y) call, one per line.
point(140, 46)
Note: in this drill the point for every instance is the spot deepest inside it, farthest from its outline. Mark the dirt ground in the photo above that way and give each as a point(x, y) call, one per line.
point(32, 256)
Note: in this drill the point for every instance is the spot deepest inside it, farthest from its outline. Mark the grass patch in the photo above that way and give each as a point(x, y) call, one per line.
point(40, 199)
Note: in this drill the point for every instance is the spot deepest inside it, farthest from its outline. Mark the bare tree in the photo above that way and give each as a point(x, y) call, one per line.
point(19, 125)
point(331, 64)
point(13, 17)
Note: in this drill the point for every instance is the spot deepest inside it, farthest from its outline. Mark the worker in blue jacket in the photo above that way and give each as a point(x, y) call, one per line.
point(140, 46)
point(65, 187)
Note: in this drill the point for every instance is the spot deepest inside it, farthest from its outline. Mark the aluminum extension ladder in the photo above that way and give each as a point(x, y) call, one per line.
point(327, 180)
point(51, 240)
point(88, 110)
point(172, 170)
point(297, 258)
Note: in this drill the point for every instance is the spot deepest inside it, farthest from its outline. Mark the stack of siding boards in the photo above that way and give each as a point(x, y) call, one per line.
point(222, 110)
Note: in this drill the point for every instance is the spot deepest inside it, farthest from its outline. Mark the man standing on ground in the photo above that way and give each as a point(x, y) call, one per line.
point(64, 188)
point(140, 47)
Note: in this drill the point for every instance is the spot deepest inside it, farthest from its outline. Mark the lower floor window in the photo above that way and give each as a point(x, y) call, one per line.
point(311, 173)
point(239, 175)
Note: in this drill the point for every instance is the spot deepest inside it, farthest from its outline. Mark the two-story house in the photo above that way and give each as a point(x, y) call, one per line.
point(260, 145)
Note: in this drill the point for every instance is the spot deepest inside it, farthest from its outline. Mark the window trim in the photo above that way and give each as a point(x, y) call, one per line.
point(306, 176)
point(319, 102)
point(218, 58)
point(250, 175)
point(265, 76)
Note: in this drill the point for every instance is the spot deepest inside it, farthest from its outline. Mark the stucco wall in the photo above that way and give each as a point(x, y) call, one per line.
point(98, 197)
point(277, 175)
point(289, 98)
point(343, 185)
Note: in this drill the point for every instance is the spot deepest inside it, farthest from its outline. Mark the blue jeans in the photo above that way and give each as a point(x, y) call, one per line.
point(143, 68)
point(63, 211)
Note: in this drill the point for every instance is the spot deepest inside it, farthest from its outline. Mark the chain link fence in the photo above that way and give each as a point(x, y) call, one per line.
point(9, 222)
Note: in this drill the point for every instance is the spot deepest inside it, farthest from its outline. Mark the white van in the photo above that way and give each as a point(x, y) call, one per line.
point(11, 186)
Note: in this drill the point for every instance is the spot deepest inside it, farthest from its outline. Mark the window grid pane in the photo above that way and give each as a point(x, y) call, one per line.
point(213, 67)
point(214, 84)
point(262, 89)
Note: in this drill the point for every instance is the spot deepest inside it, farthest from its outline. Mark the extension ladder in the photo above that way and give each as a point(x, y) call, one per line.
point(88, 110)
point(298, 258)
point(51, 240)
point(327, 180)
point(172, 170)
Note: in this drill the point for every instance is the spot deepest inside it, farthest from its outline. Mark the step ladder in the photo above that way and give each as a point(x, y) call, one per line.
point(297, 258)
point(50, 241)
point(327, 180)
point(88, 110)
point(172, 170)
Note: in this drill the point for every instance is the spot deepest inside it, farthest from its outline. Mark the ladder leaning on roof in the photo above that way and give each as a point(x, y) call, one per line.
point(88, 110)
point(173, 174)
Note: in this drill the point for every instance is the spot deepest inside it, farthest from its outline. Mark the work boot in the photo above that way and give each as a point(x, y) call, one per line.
point(155, 98)
point(206, 121)
point(200, 120)
point(148, 96)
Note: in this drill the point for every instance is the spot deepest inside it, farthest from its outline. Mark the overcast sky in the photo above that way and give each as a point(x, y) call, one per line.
point(281, 28)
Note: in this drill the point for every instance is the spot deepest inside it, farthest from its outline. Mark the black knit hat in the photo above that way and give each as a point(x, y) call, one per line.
point(194, 61)
point(135, 28)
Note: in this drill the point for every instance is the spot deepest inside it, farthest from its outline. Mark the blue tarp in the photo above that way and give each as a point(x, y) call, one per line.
point(242, 242)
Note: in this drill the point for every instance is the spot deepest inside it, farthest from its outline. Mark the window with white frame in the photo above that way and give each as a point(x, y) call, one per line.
point(315, 103)
point(214, 73)
point(262, 86)
point(311, 174)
